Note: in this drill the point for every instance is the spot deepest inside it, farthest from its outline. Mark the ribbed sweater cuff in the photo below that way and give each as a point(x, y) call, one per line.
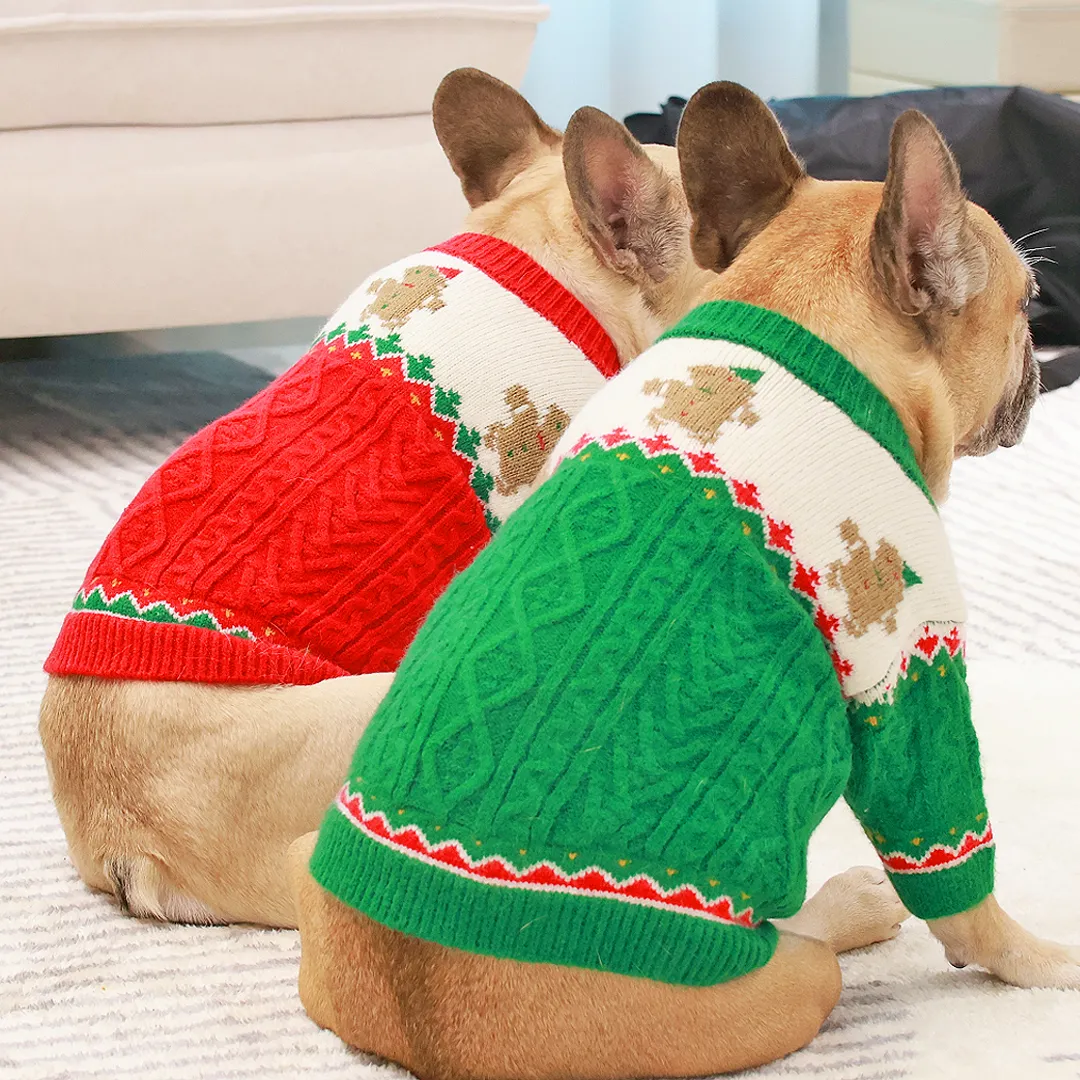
point(941, 893)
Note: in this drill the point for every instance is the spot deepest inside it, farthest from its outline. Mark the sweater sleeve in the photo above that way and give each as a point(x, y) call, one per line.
point(916, 784)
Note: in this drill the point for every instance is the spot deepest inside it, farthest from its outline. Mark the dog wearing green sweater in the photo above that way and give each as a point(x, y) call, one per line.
point(573, 840)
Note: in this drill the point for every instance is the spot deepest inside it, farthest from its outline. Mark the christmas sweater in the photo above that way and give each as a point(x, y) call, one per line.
point(731, 604)
point(307, 534)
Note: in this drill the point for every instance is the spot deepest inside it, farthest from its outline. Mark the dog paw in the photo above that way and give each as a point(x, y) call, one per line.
point(986, 936)
point(1045, 965)
point(852, 910)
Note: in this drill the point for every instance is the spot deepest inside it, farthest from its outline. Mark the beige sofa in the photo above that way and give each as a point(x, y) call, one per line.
point(184, 162)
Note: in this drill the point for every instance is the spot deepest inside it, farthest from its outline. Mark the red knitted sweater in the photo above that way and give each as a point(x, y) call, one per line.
point(307, 534)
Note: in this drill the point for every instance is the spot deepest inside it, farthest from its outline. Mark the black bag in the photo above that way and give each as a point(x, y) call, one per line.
point(1018, 151)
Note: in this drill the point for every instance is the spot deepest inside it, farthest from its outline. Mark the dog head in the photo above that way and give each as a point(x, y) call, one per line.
point(603, 214)
point(918, 287)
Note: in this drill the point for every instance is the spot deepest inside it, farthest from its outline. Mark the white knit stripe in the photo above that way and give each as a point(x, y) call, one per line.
point(482, 342)
point(813, 469)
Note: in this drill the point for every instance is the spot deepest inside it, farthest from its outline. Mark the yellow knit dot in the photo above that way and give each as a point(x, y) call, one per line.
point(671, 873)
point(623, 862)
point(333, 348)
point(713, 882)
point(414, 399)
point(401, 811)
point(941, 671)
point(917, 840)
point(665, 469)
point(872, 721)
point(145, 592)
point(585, 457)
point(387, 372)
point(521, 851)
point(623, 457)
point(269, 631)
point(745, 895)
point(746, 530)
point(438, 828)
point(479, 842)
point(979, 817)
point(356, 354)
point(952, 831)
point(115, 582)
point(228, 614)
point(710, 493)
point(438, 434)
point(914, 676)
point(571, 855)
point(879, 838)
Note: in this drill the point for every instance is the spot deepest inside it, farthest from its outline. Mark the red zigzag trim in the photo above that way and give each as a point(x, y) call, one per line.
point(940, 856)
point(541, 877)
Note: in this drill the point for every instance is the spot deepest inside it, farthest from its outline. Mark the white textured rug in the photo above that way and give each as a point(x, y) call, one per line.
point(86, 992)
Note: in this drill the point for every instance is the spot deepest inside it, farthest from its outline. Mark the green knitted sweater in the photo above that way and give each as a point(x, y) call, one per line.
point(731, 604)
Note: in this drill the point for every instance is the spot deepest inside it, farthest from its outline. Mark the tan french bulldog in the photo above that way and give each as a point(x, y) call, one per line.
point(923, 292)
point(152, 779)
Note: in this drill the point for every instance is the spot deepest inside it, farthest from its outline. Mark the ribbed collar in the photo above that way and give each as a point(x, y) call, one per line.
point(534, 286)
point(812, 361)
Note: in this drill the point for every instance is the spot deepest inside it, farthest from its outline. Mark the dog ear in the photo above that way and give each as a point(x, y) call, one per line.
point(488, 131)
point(737, 170)
point(924, 251)
point(628, 206)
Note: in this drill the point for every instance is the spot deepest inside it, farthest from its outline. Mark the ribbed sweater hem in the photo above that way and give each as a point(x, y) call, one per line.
point(93, 643)
point(531, 924)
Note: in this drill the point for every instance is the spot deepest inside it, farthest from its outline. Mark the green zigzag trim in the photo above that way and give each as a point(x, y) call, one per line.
point(158, 611)
point(444, 404)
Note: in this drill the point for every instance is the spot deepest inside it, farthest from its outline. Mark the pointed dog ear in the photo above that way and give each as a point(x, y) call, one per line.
point(488, 131)
point(628, 206)
point(737, 170)
point(926, 254)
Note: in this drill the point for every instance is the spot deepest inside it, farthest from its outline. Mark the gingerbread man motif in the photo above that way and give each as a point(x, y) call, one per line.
point(420, 289)
point(716, 396)
point(874, 582)
point(523, 444)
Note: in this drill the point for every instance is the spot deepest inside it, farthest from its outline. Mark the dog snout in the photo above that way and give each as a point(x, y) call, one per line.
point(1018, 411)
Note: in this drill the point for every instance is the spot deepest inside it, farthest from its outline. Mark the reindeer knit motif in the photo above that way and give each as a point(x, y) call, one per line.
point(307, 534)
point(732, 603)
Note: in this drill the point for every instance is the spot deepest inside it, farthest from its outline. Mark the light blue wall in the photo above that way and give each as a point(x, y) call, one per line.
point(770, 46)
point(659, 49)
point(571, 60)
point(627, 56)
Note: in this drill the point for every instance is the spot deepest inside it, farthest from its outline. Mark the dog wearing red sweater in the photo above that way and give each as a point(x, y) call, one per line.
point(243, 619)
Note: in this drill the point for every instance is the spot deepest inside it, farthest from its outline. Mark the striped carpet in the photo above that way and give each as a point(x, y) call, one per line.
point(85, 992)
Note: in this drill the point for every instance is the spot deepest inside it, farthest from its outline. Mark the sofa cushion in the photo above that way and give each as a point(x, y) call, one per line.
point(80, 62)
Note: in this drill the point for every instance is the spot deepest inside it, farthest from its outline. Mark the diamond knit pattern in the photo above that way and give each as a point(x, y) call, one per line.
point(307, 534)
point(613, 737)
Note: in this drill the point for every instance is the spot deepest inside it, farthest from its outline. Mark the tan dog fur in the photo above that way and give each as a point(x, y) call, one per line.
point(925, 294)
point(153, 781)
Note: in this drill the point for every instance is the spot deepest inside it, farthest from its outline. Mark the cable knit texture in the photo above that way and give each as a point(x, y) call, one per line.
point(306, 534)
point(732, 603)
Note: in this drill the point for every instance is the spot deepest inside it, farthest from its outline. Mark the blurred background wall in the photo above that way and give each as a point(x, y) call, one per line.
point(627, 56)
